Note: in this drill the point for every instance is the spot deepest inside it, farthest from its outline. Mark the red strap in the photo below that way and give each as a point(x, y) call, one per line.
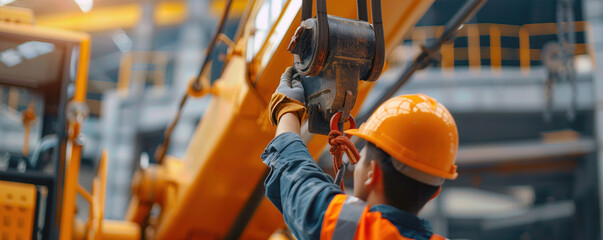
point(341, 143)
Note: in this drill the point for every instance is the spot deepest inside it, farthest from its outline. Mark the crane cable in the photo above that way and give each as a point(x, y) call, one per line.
point(196, 86)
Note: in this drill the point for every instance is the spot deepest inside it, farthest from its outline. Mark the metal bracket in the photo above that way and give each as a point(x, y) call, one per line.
point(332, 55)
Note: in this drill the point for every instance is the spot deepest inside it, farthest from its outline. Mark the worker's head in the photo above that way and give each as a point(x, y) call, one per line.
point(412, 142)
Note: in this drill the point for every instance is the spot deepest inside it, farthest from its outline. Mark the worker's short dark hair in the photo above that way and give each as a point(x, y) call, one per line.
point(401, 191)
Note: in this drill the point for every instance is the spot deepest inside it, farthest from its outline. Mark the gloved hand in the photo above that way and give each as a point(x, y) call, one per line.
point(292, 88)
point(288, 97)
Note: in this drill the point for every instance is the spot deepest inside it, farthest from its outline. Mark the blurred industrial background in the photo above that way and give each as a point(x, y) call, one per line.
point(523, 79)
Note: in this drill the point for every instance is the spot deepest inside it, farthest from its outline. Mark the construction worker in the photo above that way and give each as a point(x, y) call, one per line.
point(411, 147)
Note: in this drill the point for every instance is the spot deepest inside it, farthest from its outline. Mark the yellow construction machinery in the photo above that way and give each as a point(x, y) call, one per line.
point(215, 191)
point(43, 75)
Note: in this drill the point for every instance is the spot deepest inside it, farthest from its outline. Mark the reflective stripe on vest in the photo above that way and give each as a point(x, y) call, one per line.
point(345, 213)
point(348, 218)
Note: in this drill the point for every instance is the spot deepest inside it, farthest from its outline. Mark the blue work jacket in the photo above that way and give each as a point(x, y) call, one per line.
point(302, 191)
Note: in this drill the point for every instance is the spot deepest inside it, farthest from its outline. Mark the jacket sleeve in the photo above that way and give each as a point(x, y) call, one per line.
point(297, 186)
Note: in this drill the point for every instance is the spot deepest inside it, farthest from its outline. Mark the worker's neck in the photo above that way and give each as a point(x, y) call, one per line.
point(375, 199)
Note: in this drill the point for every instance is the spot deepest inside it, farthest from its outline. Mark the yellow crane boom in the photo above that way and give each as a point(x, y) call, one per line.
point(202, 194)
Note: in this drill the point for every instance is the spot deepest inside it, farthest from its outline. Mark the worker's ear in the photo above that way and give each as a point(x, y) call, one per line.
point(372, 174)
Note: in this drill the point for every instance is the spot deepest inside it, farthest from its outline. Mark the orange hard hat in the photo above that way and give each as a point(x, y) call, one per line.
point(418, 132)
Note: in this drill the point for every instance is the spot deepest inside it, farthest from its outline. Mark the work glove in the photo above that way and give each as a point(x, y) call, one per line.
point(288, 98)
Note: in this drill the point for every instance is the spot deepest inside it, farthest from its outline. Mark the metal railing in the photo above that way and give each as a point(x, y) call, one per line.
point(475, 52)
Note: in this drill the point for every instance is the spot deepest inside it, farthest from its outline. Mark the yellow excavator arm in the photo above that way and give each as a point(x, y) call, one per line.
point(216, 190)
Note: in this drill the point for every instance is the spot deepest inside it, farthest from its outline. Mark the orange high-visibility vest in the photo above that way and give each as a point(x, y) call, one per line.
point(348, 217)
